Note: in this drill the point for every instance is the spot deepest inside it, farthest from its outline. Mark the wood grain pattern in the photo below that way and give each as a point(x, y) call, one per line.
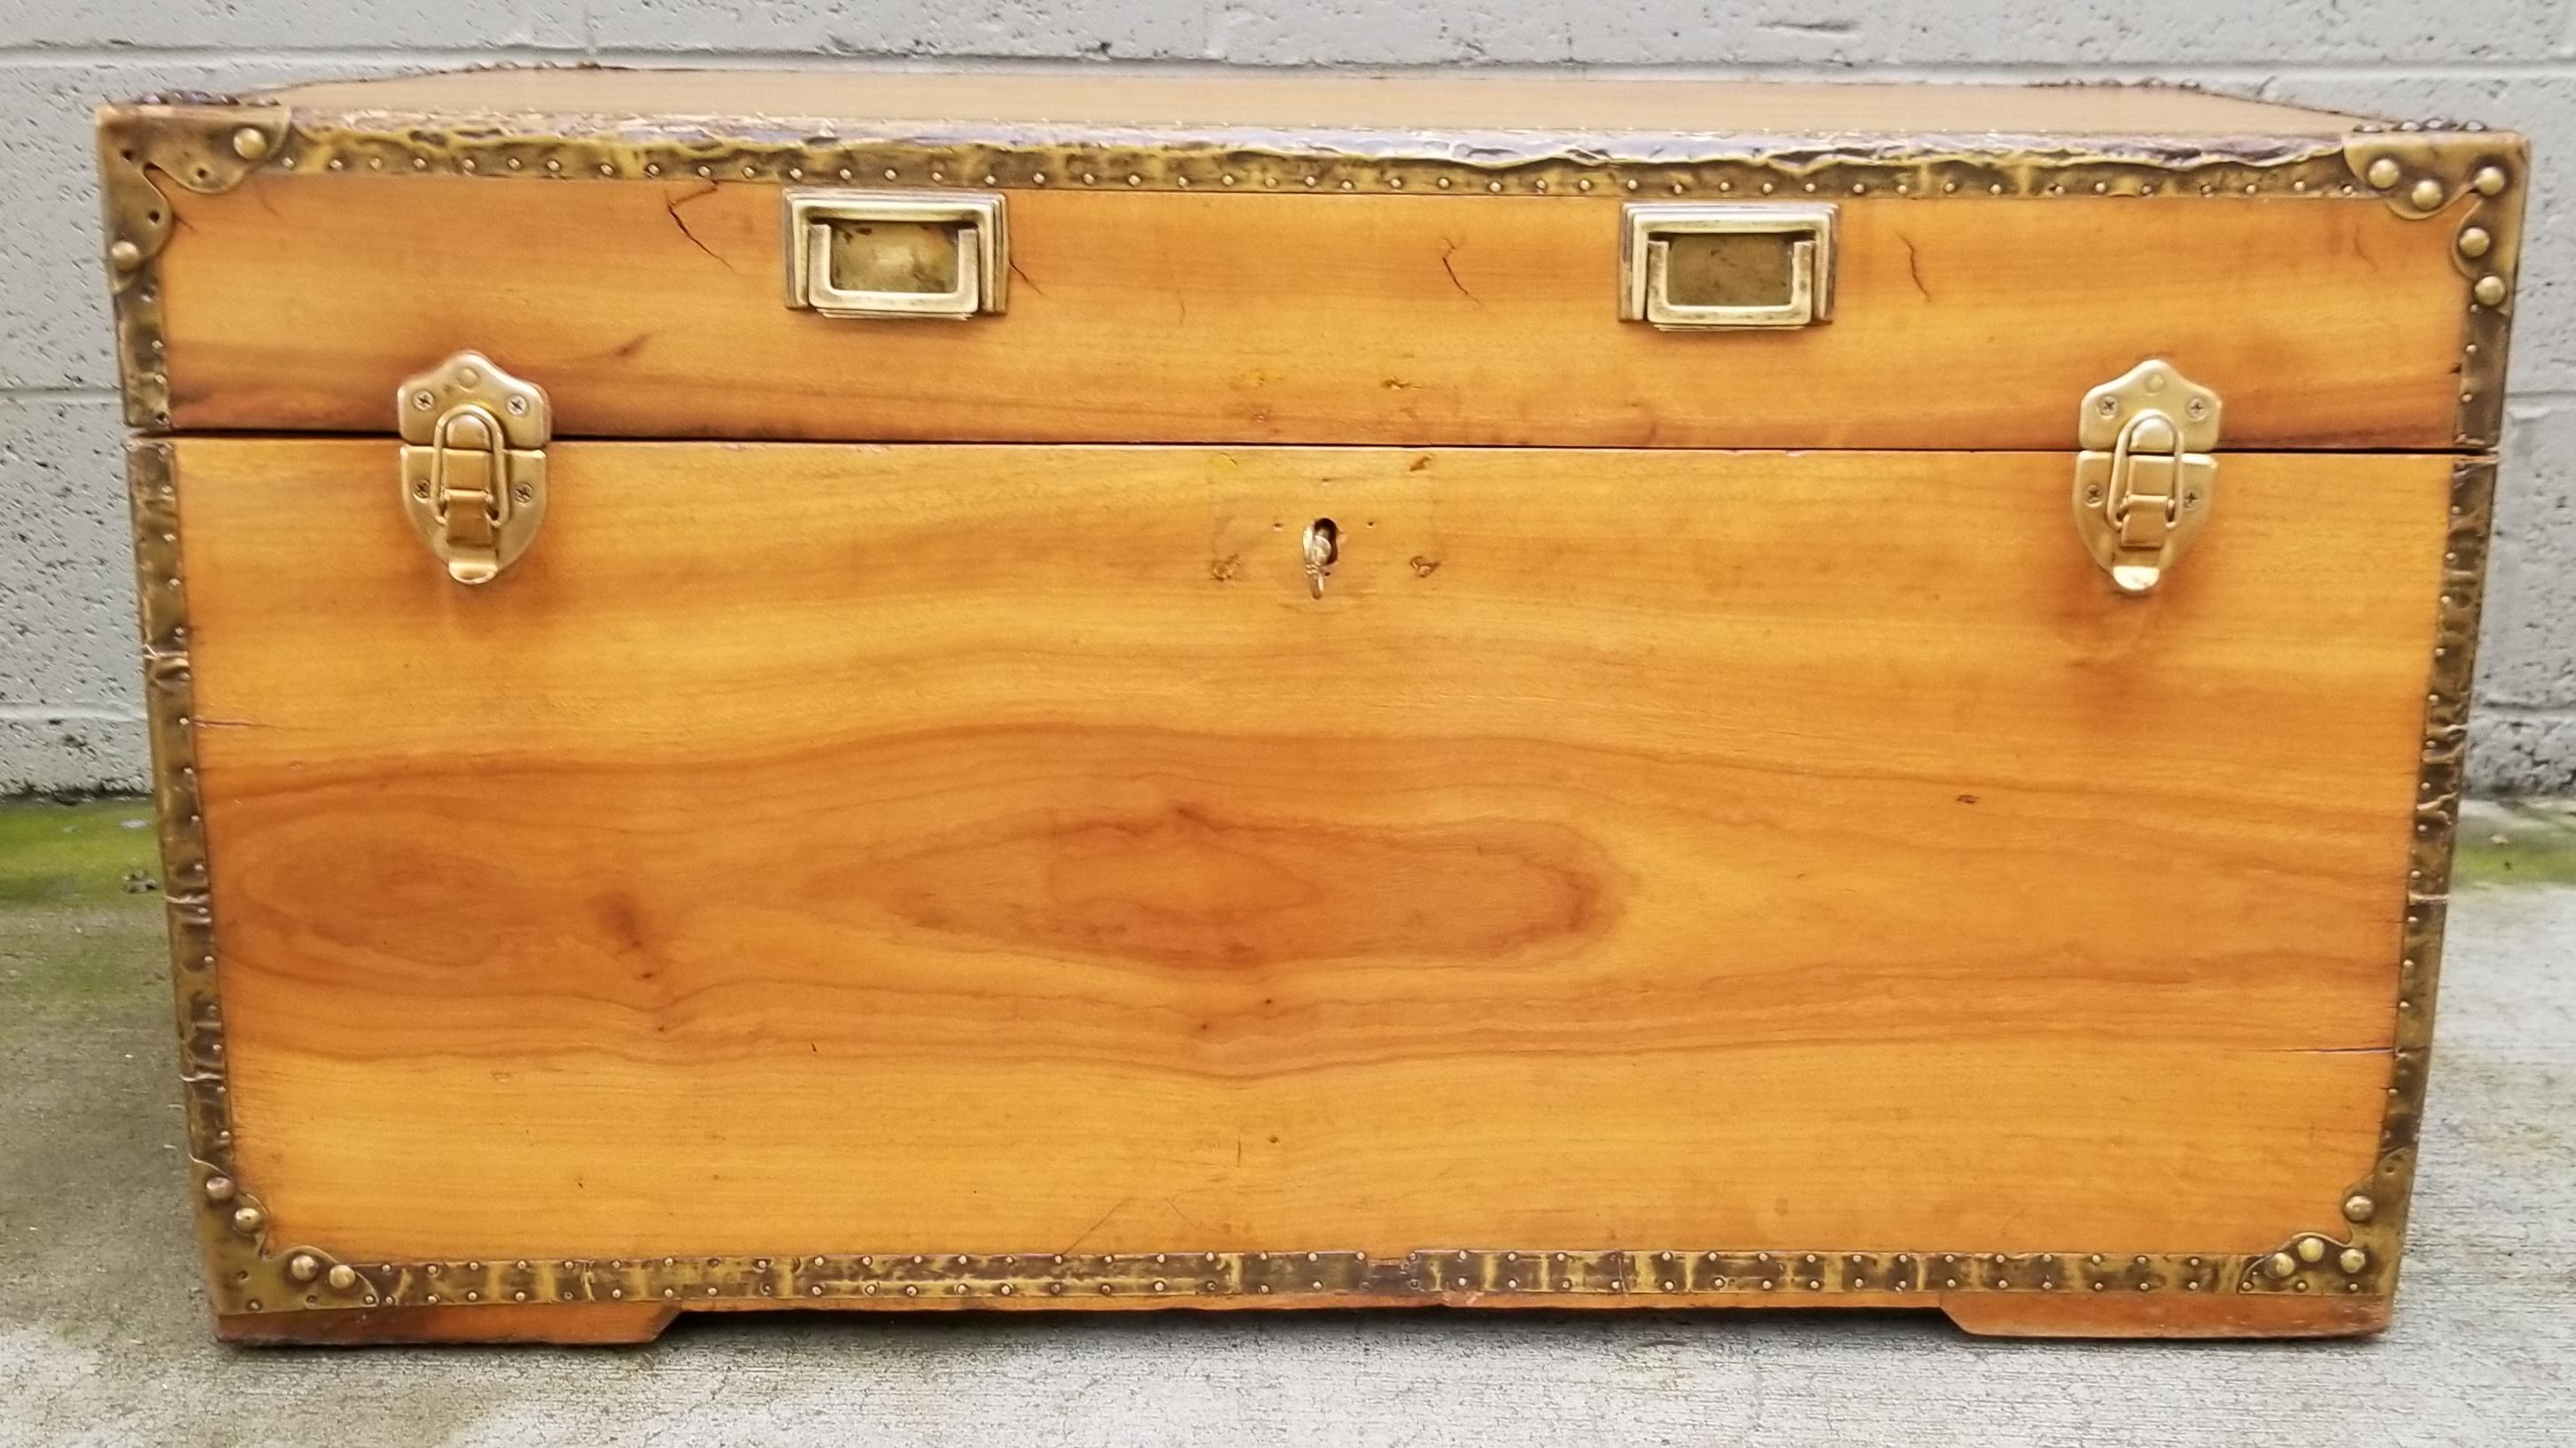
point(653, 309)
point(1112, 96)
point(996, 849)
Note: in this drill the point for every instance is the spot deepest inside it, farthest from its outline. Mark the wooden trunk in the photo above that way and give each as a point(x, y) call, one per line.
point(1497, 693)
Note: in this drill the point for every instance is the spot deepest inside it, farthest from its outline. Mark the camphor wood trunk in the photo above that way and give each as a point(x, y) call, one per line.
point(1328, 744)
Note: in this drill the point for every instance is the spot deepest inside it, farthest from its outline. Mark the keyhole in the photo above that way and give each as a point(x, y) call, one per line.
point(1323, 550)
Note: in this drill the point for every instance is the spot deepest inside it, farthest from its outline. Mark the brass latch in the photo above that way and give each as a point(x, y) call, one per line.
point(2145, 479)
point(474, 463)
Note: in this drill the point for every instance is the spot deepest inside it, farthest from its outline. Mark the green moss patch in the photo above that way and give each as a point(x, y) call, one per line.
point(73, 854)
point(2517, 842)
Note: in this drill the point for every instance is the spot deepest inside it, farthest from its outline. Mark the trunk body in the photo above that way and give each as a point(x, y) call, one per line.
point(1501, 693)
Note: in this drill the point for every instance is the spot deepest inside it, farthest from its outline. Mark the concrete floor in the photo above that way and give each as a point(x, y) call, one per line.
point(104, 1340)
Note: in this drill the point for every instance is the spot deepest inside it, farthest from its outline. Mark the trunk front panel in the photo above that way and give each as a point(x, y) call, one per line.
point(1001, 849)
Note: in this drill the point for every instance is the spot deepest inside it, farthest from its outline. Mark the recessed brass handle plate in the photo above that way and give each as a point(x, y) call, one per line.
point(474, 463)
point(1792, 287)
point(825, 227)
point(2145, 479)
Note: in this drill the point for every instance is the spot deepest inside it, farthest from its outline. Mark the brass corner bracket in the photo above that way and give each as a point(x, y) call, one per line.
point(2473, 179)
point(204, 145)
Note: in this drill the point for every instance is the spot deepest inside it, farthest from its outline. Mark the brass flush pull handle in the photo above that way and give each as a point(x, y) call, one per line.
point(1725, 266)
point(474, 463)
point(895, 254)
point(1323, 549)
point(2145, 480)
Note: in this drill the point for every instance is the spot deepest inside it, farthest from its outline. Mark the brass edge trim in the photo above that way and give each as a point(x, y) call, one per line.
point(247, 1273)
point(230, 1222)
point(1744, 167)
point(2473, 181)
point(1533, 1276)
point(2377, 1205)
point(204, 144)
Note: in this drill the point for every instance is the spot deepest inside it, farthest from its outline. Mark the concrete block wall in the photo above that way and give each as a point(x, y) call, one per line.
point(69, 713)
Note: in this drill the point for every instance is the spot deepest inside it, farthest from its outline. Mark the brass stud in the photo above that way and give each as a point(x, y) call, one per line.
point(2281, 1264)
point(2427, 194)
point(2488, 181)
point(2474, 241)
point(342, 1277)
point(2353, 1259)
point(2358, 1207)
point(219, 1189)
point(2383, 173)
point(2312, 1249)
point(250, 143)
point(2489, 291)
point(248, 1220)
point(125, 256)
point(303, 1267)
